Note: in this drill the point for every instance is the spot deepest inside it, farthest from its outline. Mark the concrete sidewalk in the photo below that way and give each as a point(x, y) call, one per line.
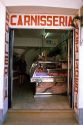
point(41, 117)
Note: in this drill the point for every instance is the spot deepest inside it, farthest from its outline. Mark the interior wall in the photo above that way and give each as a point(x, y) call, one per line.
point(35, 42)
point(27, 42)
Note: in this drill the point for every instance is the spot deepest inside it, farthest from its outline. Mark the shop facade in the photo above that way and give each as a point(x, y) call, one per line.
point(49, 21)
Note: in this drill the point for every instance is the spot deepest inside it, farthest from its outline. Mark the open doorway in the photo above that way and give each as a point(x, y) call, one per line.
point(53, 51)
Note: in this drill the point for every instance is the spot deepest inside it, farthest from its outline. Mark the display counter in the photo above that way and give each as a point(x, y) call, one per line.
point(49, 80)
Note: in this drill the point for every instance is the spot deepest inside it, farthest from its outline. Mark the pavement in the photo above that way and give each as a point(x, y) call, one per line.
point(40, 117)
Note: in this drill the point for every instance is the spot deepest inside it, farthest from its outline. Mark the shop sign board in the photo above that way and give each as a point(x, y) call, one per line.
point(6, 64)
point(40, 21)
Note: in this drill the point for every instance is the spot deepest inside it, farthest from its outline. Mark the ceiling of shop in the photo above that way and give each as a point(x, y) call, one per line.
point(38, 33)
point(29, 33)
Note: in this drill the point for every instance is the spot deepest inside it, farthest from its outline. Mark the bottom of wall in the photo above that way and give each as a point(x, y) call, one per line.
point(80, 116)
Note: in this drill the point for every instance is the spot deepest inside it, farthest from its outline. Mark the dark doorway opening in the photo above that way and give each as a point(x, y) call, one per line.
point(32, 43)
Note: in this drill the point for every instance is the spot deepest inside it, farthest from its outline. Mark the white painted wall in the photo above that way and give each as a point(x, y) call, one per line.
point(49, 3)
point(35, 42)
point(2, 50)
point(27, 42)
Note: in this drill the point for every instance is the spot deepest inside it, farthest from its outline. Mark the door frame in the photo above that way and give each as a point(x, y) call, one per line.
point(10, 68)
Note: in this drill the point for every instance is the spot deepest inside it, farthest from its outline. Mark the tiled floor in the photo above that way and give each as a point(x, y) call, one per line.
point(49, 102)
point(24, 99)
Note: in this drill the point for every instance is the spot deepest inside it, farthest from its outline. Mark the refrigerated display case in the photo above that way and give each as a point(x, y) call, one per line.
point(50, 77)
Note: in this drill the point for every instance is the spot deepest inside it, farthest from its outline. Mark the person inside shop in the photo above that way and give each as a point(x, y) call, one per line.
point(22, 69)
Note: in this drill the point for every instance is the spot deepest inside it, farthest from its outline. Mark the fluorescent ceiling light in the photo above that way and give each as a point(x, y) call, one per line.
point(47, 34)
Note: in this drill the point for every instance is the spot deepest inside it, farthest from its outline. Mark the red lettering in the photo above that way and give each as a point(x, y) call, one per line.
point(49, 20)
point(20, 20)
point(43, 21)
point(7, 27)
point(27, 20)
point(76, 85)
point(61, 21)
point(55, 20)
point(65, 20)
point(6, 48)
point(6, 62)
point(6, 70)
point(12, 21)
point(33, 20)
point(76, 40)
point(70, 21)
point(76, 49)
point(76, 64)
point(76, 56)
point(76, 73)
point(38, 20)
point(76, 36)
